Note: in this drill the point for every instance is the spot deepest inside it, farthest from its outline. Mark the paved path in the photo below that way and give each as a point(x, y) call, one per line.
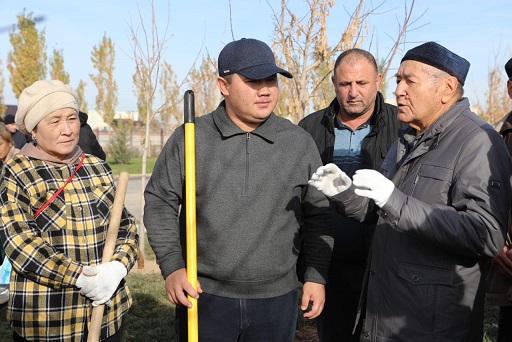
point(133, 200)
point(133, 203)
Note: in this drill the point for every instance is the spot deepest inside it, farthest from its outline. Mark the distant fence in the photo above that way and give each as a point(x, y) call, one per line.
point(157, 140)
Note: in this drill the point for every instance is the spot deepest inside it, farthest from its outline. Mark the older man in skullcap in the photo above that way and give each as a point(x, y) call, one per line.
point(55, 205)
point(442, 193)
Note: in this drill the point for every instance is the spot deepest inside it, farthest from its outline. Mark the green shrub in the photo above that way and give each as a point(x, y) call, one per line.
point(119, 149)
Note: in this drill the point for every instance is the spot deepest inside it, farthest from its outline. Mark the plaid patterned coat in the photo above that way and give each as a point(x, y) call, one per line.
point(48, 253)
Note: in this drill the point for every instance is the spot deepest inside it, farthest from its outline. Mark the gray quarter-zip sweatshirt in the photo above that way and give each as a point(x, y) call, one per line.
point(253, 203)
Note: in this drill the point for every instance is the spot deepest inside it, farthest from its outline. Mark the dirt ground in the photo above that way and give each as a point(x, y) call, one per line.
point(150, 266)
point(306, 331)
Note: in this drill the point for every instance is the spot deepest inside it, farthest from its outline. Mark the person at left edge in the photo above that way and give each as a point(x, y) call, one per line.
point(56, 249)
point(7, 151)
point(253, 201)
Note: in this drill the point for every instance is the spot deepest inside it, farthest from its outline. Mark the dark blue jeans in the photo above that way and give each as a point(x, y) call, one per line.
point(233, 319)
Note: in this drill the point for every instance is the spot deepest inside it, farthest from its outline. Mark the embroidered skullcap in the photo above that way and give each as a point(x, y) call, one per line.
point(438, 56)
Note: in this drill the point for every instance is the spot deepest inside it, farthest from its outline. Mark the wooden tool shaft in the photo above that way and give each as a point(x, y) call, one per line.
point(108, 250)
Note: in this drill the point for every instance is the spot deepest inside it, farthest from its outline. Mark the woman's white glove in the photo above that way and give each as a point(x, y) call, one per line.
point(372, 184)
point(82, 278)
point(330, 180)
point(100, 282)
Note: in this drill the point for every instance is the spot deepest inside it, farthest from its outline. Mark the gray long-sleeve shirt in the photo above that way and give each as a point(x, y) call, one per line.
point(252, 198)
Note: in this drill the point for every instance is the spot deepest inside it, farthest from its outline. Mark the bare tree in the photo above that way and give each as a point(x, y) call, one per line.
point(102, 57)
point(203, 81)
point(26, 62)
point(142, 89)
point(148, 45)
point(3, 107)
point(302, 47)
point(404, 27)
point(57, 71)
point(169, 91)
point(497, 101)
point(80, 90)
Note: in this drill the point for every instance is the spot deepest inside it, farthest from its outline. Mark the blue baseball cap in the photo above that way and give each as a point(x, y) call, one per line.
point(438, 56)
point(250, 58)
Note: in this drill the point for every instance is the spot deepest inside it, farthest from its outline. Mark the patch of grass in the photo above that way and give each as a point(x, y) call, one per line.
point(151, 317)
point(148, 251)
point(5, 328)
point(491, 316)
point(134, 167)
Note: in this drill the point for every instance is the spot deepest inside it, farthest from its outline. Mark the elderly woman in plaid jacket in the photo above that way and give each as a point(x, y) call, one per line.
point(55, 206)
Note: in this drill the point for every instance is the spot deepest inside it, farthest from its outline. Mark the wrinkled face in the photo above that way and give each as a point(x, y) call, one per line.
point(417, 94)
point(249, 102)
point(356, 83)
point(5, 146)
point(57, 134)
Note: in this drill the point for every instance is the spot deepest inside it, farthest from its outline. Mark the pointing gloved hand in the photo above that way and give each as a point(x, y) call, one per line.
point(100, 282)
point(330, 180)
point(372, 184)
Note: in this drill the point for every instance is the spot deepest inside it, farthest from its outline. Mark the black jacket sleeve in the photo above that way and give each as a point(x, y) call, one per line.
point(89, 144)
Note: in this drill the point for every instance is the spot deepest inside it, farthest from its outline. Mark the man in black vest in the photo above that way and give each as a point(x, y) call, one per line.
point(355, 131)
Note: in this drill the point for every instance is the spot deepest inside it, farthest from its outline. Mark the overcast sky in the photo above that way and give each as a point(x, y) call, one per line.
point(479, 31)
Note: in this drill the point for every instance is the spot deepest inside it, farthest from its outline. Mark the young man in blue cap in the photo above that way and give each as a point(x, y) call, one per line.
point(253, 205)
point(443, 195)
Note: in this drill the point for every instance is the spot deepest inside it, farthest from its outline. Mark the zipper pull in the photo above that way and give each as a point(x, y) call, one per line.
point(247, 139)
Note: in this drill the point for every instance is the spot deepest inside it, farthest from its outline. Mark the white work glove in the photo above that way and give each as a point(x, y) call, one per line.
point(103, 282)
point(372, 184)
point(330, 180)
point(84, 277)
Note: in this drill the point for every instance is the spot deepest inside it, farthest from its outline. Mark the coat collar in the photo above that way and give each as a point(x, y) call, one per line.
point(445, 120)
point(334, 107)
point(429, 139)
point(266, 130)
